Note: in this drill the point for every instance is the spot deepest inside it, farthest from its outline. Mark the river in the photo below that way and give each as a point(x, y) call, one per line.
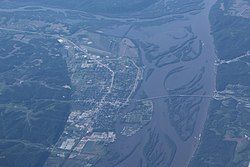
point(154, 87)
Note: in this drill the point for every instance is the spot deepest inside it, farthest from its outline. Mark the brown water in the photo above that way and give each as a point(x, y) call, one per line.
point(154, 87)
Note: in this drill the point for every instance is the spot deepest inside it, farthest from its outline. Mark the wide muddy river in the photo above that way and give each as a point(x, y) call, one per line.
point(154, 85)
